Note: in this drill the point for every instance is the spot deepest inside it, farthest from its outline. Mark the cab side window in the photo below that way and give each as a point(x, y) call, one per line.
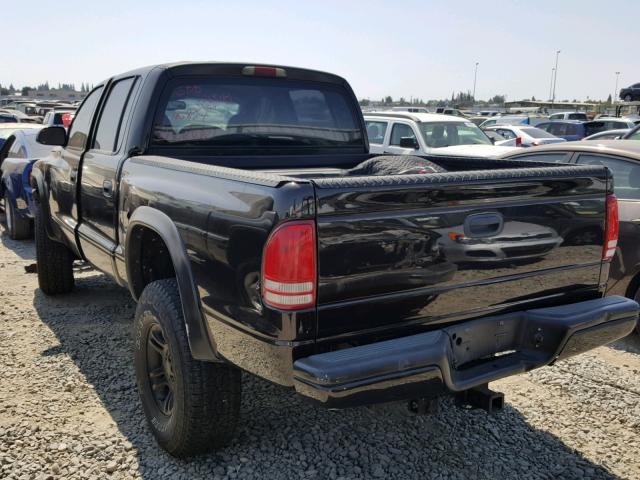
point(508, 134)
point(544, 157)
point(399, 131)
point(558, 129)
point(376, 131)
point(79, 130)
point(111, 116)
point(626, 174)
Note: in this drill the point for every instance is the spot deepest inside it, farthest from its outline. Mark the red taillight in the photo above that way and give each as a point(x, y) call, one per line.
point(66, 119)
point(518, 141)
point(264, 71)
point(611, 229)
point(289, 266)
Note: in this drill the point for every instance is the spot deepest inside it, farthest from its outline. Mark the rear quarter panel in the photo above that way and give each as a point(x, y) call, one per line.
point(224, 222)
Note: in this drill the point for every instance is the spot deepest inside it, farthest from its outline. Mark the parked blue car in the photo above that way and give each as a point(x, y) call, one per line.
point(577, 130)
point(17, 156)
point(568, 129)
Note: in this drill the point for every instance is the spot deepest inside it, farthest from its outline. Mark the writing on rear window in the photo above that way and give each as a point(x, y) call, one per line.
point(256, 113)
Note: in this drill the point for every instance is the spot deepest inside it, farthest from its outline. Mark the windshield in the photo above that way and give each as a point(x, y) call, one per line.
point(256, 112)
point(537, 133)
point(446, 134)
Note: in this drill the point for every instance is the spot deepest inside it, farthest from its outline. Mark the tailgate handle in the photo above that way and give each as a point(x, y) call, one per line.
point(482, 225)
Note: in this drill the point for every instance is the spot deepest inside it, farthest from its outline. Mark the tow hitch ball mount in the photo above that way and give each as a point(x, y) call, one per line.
point(481, 397)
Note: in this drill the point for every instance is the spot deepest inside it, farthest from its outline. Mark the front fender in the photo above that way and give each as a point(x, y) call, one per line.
point(40, 195)
point(202, 346)
point(12, 169)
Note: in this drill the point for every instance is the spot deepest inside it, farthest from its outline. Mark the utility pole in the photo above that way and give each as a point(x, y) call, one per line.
point(615, 92)
point(551, 82)
point(475, 76)
point(555, 77)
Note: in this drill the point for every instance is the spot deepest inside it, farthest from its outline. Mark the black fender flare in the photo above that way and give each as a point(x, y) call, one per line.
point(40, 196)
point(201, 345)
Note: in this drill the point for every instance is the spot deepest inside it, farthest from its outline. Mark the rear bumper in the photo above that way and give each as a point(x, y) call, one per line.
point(462, 356)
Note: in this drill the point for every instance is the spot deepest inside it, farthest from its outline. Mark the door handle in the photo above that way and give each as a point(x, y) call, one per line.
point(107, 188)
point(73, 175)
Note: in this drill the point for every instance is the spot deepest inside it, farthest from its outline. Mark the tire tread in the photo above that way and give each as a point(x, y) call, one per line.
point(212, 390)
point(54, 260)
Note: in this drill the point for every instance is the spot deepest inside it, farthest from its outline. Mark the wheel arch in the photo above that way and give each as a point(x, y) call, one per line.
point(147, 222)
point(633, 286)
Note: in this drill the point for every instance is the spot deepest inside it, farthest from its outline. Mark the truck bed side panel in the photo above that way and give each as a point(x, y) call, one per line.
point(224, 220)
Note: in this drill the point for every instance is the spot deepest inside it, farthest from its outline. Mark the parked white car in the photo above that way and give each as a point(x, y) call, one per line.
point(569, 116)
point(428, 134)
point(498, 139)
point(529, 136)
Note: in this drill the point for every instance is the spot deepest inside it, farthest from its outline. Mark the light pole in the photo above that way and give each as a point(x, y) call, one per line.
point(615, 92)
point(551, 82)
point(475, 76)
point(555, 77)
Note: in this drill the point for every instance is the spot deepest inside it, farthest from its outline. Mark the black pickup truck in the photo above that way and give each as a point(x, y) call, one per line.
point(240, 206)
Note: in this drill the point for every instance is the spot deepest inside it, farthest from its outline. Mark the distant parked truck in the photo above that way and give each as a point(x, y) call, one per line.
point(428, 134)
point(631, 93)
point(450, 111)
point(59, 117)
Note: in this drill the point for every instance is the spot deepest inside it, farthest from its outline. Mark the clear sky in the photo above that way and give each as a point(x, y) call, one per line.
point(424, 49)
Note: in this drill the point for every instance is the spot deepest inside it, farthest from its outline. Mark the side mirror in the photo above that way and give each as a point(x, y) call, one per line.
point(409, 142)
point(54, 136)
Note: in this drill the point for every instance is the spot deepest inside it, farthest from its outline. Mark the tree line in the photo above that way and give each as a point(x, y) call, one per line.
point(460, 99)
point(43, 87)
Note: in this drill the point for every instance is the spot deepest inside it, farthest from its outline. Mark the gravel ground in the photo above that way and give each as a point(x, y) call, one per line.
point(69, 409)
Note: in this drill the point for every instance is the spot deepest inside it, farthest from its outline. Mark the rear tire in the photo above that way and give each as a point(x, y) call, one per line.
point(54, 261)
point(192, 407)
point(18, 227)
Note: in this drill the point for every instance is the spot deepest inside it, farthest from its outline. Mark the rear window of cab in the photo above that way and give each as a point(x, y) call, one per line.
point(255, 113)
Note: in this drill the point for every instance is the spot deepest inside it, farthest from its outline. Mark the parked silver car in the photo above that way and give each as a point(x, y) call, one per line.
point(529, 136)
point(608, 134)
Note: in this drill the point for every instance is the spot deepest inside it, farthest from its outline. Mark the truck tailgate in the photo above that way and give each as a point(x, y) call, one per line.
point(403, 253)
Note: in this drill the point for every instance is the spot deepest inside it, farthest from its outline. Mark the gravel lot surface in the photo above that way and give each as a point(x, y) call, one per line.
point(69, 409)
